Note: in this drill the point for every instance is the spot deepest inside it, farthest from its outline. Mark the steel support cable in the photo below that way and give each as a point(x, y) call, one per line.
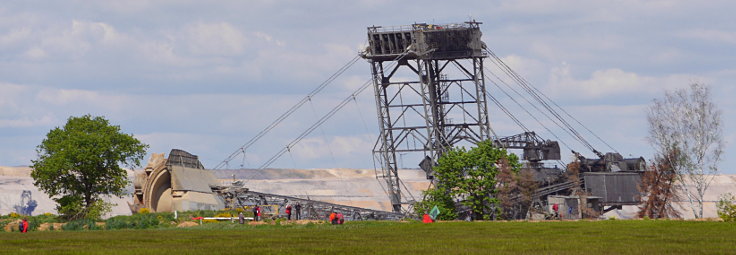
point(324, 118)
point(315, 126)
point(528, 88)
point(321, 130)
point(497, 103)
point(534, 95)
point(525, 86)
point(288, 113)
point(511, 115)
point(566, 113)
point(528, 112)
point(508, 113)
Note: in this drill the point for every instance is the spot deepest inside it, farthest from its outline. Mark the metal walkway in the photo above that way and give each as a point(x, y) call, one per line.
point(311, 209)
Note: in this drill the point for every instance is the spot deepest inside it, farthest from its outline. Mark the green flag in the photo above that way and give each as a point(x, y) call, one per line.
point(434, 212)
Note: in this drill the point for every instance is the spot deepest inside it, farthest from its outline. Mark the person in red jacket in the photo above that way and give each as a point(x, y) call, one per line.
point(25, 225)
point(288, 212)
point(256, 212)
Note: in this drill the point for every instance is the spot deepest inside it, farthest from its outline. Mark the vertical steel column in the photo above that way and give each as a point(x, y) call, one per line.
point(479, 80)
point(387, 151)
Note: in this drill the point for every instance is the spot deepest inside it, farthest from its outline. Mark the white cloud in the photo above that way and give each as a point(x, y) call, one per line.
point(268, 38)
point(15, 36)
point(9, 92)
point(711, 35)
point(35, 53)
point(77, 39)
point(25, 122)
point(614, 83)
point(66, 96)
point(213, 39)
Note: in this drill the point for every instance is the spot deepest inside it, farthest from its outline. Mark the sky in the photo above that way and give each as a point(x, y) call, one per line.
point(206, 76)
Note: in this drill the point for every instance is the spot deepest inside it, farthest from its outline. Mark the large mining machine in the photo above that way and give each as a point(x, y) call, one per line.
point(181, 183)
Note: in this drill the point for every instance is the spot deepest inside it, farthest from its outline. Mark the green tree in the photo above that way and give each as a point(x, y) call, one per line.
point(727, 207)
point(79, 163)
point(437, 197)
point(469, 176)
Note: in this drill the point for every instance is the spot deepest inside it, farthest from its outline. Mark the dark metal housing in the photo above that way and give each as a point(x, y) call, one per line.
point(614, 188)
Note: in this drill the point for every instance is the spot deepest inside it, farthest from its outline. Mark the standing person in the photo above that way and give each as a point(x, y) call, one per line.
point(298, 208)
point(556, 208)
point(288, 212)
point(256, 212)
point(258, 209)
point(25, 225)
point(569, 212)
point(241, 218)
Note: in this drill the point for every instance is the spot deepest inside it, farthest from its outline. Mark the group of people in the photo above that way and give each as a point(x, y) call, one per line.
point(296, 210)
point(337, 218)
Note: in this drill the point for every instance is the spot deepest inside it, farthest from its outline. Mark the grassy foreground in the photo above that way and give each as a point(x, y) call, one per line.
point(582, 237)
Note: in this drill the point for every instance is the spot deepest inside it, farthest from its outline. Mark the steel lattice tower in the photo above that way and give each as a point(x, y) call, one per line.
point(430, 94)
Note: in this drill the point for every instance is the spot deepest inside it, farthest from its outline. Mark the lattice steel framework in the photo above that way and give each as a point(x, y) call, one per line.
point(430, 94)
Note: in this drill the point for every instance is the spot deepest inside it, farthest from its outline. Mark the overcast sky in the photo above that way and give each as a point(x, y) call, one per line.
point(205, 76)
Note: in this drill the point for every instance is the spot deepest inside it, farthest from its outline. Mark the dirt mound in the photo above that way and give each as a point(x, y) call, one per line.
point(187, 224)
point(50, 226)
point(12, 226)
point(304, 222)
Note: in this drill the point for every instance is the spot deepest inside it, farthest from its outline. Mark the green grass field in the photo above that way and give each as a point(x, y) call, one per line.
point(583, 237)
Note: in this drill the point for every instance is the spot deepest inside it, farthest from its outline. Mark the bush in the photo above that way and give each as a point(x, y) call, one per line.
point(69, 207)
point(224, 214)
point(117, 222)
point(98, 209)
point(33, 223)
point(80, 224)
point(137, 221)
point(727, 207)
point(201, 213)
